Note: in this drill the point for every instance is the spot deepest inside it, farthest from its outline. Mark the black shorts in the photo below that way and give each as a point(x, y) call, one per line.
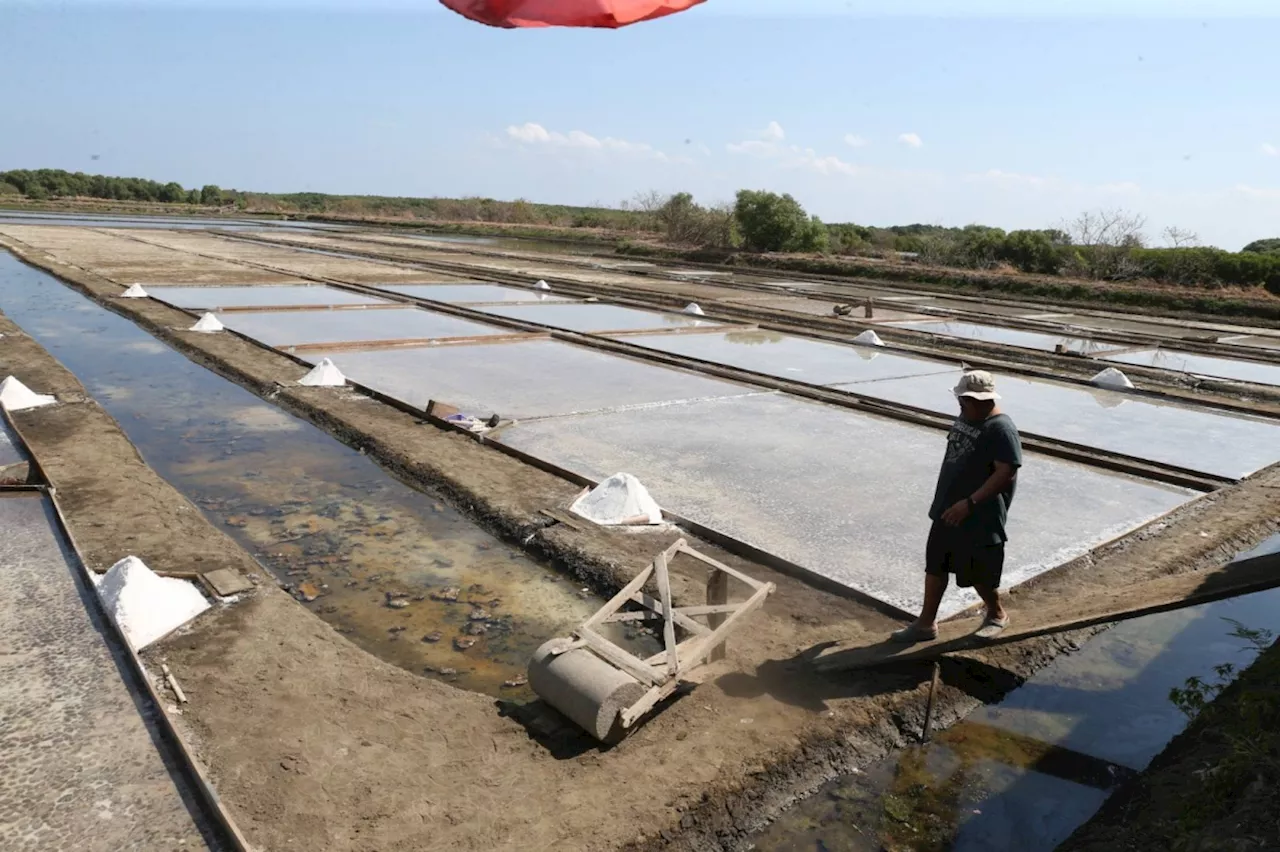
point(950, 551)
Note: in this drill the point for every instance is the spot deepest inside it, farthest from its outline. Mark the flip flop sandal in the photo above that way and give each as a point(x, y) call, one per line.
point(914, 633)
point(991, 628)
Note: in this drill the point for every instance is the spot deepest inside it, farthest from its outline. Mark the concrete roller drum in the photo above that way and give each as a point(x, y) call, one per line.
point(585, 688)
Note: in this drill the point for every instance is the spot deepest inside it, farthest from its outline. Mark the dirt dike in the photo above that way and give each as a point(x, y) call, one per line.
point(312, 743)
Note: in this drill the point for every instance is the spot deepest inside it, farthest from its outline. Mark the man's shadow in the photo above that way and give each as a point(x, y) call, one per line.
point(795, 681)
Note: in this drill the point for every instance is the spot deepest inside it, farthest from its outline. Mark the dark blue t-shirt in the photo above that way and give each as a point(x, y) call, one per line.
point(972, 451)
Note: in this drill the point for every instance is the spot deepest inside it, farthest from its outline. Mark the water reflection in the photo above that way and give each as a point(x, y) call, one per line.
point(1025, 773)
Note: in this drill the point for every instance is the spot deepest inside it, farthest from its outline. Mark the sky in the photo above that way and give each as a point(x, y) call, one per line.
point(867, 111)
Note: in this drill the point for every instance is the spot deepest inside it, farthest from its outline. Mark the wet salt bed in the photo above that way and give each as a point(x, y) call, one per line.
point(1202, 365)
point(464, 294)
point(1008, 336)
point(838, 492)
point(1205, 440)
point(785, 356)
point(536, 378)
point(9, 452)
point(1026, 772)
point(1253, 342)
point(309, 328)
point(398, 571)
point(257, 296)
point(598, 318)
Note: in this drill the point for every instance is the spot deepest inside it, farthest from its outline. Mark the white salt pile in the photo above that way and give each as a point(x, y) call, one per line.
point(869, 338)
point(620, 499)
point(15, 396)
point(324, 375)
point(1112, 378)
point(145, 606)
point(134, 292)
point(695, 309)
point(542, 285)
point(207, 324)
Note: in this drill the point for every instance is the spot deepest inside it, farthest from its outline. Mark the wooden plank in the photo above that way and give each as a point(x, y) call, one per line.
point(650, 700)
point(686, 611)
point(668, 621)
point(717, 595)
point(564, 518)
point(1165, 595)
point(681, 619)
point(718, 636)
point(616, 602)
point(720, 566)
point(633, 666)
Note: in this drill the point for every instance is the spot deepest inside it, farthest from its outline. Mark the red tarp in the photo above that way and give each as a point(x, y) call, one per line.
point(566, 13)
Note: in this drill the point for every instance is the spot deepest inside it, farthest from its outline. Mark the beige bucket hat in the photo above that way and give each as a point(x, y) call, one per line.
point(977, 384)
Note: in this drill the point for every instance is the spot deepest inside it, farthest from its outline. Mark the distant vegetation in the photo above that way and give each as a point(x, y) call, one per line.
point(1102, 245)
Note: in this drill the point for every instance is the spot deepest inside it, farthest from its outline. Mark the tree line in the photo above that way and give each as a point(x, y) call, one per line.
point(1101, 245)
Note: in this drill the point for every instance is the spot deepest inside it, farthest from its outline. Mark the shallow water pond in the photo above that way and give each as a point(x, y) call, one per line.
point(400, 572)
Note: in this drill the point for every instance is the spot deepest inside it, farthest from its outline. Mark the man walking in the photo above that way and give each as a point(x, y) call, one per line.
point(970, 507)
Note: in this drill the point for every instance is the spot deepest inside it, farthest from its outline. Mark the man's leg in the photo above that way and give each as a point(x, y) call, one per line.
point(989, 572)
point(935, 586)
point(937, 567)
point(991, 597)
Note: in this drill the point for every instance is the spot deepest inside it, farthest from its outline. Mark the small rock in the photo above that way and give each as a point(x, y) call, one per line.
point(399, 629)
point(398, 603)
point(237, 521)
point(477, 628)
point(448, 672)
point(462, 643)
point(307, 592)
point(517, 681)
point(478, 614)
point(449, 595)
point(433, 637)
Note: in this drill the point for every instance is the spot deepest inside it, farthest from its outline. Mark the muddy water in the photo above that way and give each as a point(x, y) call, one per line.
point(400, 572)
point(1025, 773)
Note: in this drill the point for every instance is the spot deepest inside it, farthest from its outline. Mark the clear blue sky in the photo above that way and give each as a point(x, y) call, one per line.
point(864, 114)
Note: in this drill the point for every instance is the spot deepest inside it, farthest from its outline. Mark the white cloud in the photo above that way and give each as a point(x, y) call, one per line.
point(532, 134)
point(770, 147)
point(911, 140)
point(1257, 191)
point(1270, 150)
point(753, 146)
point(855, 141)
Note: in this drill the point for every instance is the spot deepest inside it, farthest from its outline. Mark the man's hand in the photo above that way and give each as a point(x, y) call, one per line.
point(956, 515)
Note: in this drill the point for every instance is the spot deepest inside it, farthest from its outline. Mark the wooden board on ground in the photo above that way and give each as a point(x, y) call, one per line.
point(1162, 595)
point(224, 582)
point(571, 521)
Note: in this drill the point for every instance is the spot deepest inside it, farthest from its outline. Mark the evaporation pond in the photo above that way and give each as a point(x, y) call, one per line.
point(598, 318)
point(1008, 336)
point(1203, 365)
point(1203, 439)
point(259, 296)
point(533, 378)
point(296, 328)
point(796, 358)
point(841, 493)
point(470, 293)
